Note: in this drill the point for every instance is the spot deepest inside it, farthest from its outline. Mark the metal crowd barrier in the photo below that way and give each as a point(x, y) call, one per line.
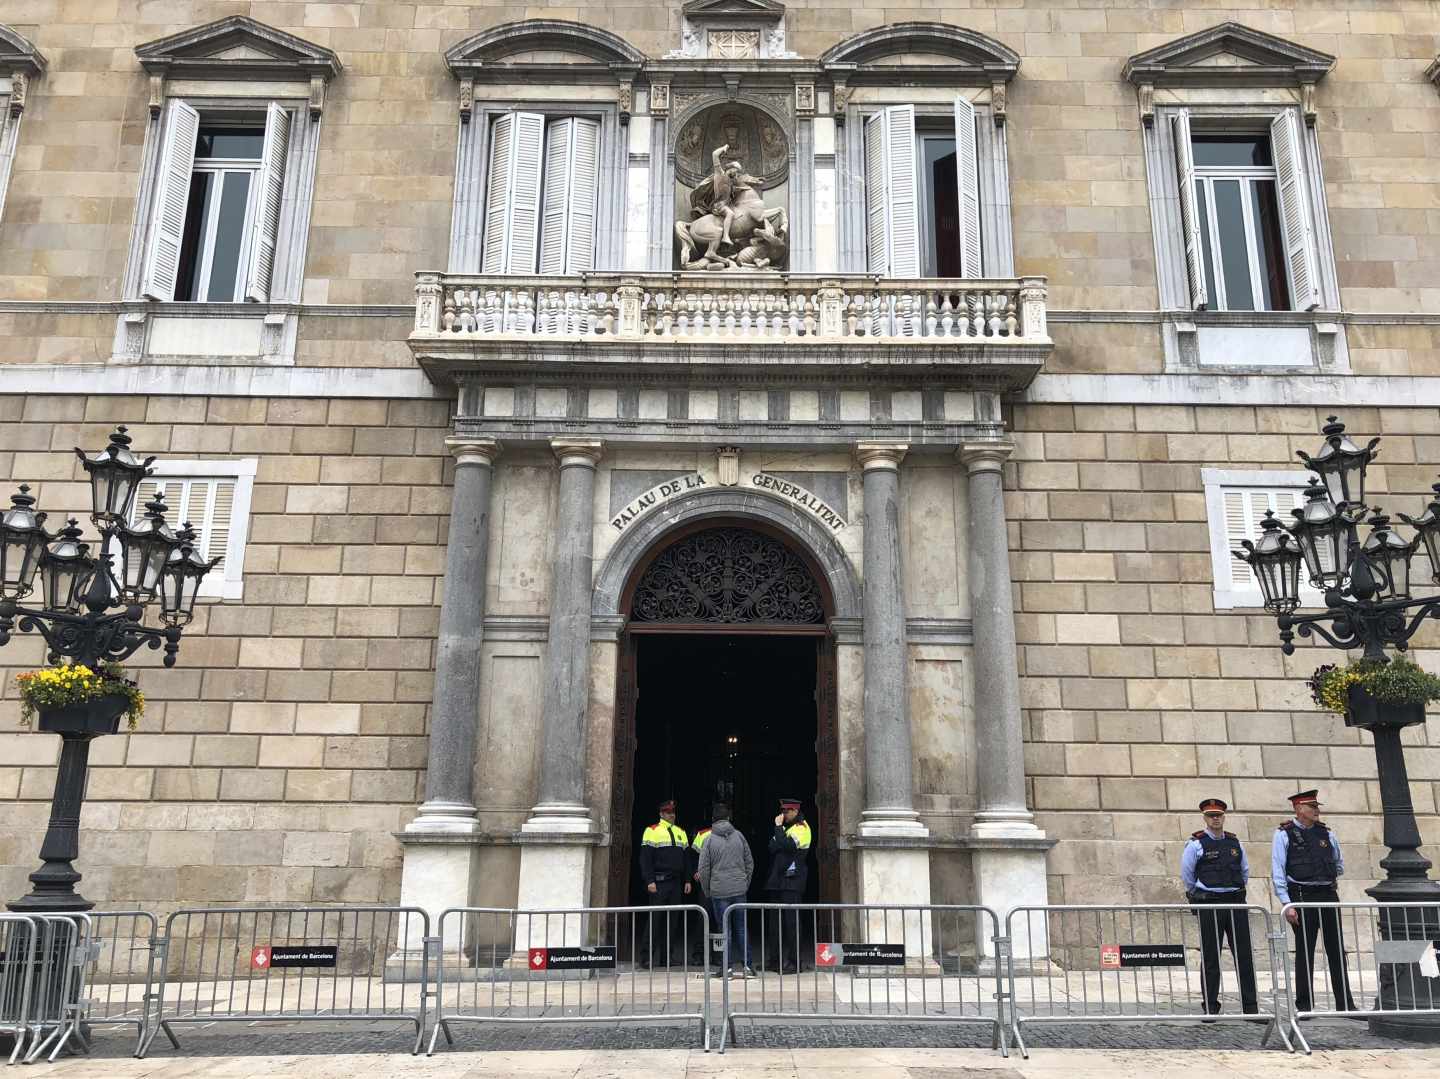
point(853, 961)
point(242, 964)
point(40, 972)
point(1146, 964)
point(1385, 954)
point(119, 972)
point(582, 965)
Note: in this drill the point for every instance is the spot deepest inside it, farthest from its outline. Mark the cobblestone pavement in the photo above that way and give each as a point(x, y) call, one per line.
point(768, 1050)
point(210, 1056)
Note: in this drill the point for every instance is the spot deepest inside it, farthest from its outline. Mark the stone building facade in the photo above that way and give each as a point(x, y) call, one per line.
point(442, 654)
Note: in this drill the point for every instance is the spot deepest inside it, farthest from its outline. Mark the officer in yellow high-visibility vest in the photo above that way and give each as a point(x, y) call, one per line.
point(789, 871)
point(665, 869)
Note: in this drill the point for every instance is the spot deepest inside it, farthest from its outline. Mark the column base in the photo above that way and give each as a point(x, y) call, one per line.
point(1009, 872)
point(556, 845)
point(438, 869)
point(894, 870)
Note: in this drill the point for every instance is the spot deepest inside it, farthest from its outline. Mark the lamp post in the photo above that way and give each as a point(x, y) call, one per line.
point(1368, 605)
point(92, 615)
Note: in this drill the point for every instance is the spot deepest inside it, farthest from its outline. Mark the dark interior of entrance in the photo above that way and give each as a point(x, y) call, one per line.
point(726, 717)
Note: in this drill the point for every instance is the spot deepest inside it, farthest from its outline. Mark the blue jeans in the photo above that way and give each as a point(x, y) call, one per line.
point(720, 906)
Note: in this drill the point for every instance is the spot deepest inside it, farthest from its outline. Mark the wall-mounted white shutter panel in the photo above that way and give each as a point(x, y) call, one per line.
point(267, 207)
point(584, 196)
point(892, 211)
point(877, 218)
point(967, 165)
point(172, 194)
point(1244, 509)
point(1295, 212)
point(1189, 215)
point(567, 224)
point(904, 191)
point(512, 194)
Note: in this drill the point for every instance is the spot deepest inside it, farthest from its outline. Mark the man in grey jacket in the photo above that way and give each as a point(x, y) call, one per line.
point(726, 866)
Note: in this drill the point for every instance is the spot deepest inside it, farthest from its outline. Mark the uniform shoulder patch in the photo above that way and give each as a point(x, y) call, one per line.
point(1229, 835)
point(1282, 826)
point(1198, 835)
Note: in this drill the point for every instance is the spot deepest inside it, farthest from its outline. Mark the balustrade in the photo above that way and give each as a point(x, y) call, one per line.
point(700, 307)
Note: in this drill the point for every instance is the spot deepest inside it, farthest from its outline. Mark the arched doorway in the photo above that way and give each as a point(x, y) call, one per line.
point(725, 692)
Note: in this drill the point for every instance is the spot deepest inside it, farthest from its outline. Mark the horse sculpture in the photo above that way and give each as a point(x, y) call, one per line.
point(729, 212)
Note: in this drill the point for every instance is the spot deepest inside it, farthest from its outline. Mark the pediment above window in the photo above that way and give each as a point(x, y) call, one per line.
point(1228, 55)
point(926, 52)
point(20, 62)
point(555, 49)
point(238, 48)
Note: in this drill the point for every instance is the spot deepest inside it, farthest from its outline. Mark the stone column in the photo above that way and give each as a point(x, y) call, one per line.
point(558, 838)
point(439, 842)
point(1008, 850)
point(894, 859)
point(889, 793)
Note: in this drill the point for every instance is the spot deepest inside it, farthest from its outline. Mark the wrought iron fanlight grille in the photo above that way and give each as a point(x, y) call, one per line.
point(728, 576)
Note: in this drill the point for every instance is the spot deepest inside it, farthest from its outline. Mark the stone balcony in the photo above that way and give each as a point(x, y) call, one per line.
point(982, 333)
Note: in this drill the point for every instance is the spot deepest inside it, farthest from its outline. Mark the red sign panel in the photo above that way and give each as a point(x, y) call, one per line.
point(827, 955)
point(1109, 957)
point(260, 958)
point(539, 958)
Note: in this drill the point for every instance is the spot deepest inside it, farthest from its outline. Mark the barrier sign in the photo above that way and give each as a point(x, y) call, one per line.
point(1115, 956)
point(282, 956)
point(859, 955)
point(599, 958)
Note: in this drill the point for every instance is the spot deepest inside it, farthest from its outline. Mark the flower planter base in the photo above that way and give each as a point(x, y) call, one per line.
point(1367, 713)
point(94, 717)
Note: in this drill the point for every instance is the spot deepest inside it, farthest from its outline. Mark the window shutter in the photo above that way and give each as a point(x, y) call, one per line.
point(567, 226)
point(172, 194)
point(877, 221)
point(892, 238)
point(1294, 211)
point(267, 207)
point(1189, 215)
point(512, 194)
point(1244, 507)
point(216, 537)
point(967, 164)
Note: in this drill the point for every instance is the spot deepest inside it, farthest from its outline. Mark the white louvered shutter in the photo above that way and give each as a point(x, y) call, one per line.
point(967, 165)
point(1189, 215)
point(567, 225)
point(877, 219)
point(172, 195)
point(512, 194)
point(892, 205)
point(1244, 508)
point(1294, 212)
point(267, 205)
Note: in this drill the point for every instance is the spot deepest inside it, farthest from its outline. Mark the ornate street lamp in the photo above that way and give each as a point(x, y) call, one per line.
point(1366, 586)
point(91, 617)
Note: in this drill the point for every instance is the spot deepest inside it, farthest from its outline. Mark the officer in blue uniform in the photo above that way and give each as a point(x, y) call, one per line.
point(1214, 870)
point(1305, 864)
point(664, 855)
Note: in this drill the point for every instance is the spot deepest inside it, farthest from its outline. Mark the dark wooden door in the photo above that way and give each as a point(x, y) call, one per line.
point(827, 778)
point(622, 784)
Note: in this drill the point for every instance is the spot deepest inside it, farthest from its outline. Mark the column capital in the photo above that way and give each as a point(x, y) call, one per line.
point(984, 456)
point(473, 451)
point(881, 455)
point(577, 451)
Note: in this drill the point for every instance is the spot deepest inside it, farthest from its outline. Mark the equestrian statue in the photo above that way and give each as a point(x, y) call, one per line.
point(731, 222)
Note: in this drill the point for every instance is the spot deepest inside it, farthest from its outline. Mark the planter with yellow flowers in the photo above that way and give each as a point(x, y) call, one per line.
point(1372, 694)
point(72, 699)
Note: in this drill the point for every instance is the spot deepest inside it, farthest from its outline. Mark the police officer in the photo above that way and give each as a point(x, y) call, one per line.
point(1305, 864)
point(789, 871)
point(1214, 870)
point(664, 858)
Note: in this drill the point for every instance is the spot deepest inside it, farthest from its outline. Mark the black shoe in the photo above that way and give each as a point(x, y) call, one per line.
point(789, 970)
